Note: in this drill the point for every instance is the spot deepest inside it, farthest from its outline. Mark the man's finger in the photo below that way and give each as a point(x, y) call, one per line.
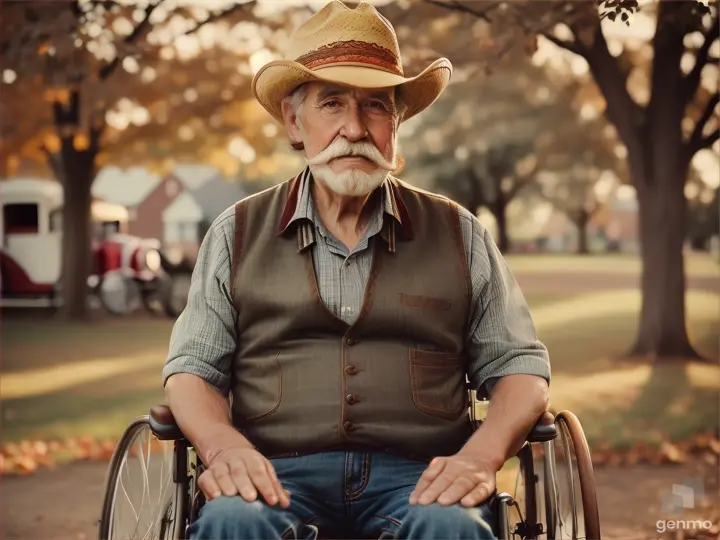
point(428, 477)
point(261, 479)
point(282, 494)
point(209, 486)
point(457, 490)
point(221, 474)
point(242, 481)
point(478, 495)
point(440, 484)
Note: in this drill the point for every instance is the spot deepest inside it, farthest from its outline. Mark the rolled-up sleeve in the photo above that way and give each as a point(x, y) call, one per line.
point(501, 336)
point(203, 340)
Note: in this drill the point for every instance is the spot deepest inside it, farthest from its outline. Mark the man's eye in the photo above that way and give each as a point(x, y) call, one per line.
point(331, 104)
point(377, 105)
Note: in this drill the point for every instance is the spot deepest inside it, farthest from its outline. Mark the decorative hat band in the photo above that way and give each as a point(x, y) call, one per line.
point(352, 52)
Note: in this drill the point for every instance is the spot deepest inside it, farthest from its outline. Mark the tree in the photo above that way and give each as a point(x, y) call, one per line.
point(662, 126)
point(487, 179)
point(579, 169)
point(479, 142)
point(88, 82)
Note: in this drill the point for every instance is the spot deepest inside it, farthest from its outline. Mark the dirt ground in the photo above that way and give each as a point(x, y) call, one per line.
point(65, 504)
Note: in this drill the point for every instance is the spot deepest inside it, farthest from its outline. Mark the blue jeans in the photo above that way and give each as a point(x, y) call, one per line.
point(350, 494)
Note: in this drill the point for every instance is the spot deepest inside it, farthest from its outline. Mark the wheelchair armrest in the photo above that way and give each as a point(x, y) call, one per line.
point(544, 430)
point(162, 423)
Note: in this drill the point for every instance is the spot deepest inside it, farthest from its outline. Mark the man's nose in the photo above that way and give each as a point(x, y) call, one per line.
point(353, 128)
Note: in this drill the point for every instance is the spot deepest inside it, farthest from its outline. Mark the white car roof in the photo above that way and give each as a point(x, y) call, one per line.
point(30, 189)
point(20, 190)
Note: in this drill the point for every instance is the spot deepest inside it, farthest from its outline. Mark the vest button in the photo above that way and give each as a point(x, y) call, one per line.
point(351, 370)
point(350, 341)
point(351, 399)
point(349, 426)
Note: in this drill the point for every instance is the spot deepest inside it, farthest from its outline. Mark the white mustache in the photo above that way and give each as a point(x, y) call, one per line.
point(342, 147)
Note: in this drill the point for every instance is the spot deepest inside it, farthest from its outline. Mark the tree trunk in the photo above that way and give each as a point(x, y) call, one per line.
point(581, 222)
point(662, 227)
point(76, 238)
point(500, 213)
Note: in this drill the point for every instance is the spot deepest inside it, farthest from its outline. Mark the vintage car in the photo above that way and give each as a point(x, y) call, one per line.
point(128, 272)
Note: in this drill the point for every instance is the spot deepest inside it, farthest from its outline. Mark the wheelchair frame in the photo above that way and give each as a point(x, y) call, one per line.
point(188, 499)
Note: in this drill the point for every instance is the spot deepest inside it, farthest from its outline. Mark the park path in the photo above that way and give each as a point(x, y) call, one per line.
point(64, 504)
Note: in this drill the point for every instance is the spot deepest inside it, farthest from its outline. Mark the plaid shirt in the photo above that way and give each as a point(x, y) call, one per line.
point(501, 336)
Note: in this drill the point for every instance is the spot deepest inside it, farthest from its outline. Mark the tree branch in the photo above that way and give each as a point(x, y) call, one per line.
point(109, 69)
point(454, 5)
point(707, 142)
point(696, 141)
point(53, 161)
point(572, 46)
point(221, 14)
point(692, 80)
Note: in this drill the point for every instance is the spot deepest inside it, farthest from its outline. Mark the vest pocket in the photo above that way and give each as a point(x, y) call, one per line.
point(261, 391)
point(438, 383)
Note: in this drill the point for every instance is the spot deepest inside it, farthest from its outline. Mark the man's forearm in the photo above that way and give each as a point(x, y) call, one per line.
point(203, 415)
point(516, 403)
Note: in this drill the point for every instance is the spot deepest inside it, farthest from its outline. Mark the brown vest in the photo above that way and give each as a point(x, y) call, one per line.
point(304, 381)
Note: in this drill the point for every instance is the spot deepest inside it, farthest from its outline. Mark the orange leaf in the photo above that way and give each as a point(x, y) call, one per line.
point(714, 445)
point(25, 465)
point(672, 453)
point(40, 448)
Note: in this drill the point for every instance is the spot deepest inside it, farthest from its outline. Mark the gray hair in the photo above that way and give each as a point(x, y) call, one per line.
point(296, 99)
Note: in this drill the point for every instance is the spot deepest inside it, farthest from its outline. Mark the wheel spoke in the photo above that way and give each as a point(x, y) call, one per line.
point(137, 512)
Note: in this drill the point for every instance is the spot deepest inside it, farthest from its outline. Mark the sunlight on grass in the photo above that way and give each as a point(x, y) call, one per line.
point(618, 401)
point(642, 402)
point(596, 305)
point(60, 377)
point(696, 264)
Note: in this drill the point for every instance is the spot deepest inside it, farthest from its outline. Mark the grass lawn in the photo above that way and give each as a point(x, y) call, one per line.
point(61, 380)
point(696, 264)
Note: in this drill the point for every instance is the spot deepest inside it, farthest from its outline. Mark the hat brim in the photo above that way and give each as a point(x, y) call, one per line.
point(277, 79)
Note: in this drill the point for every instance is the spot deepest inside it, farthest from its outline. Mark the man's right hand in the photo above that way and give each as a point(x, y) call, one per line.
point(242, 471)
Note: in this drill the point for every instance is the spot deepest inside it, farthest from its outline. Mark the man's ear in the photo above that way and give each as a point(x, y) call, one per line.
point(291, 123)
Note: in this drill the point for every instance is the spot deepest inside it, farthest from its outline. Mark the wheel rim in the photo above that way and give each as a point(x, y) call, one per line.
point(143, 498)
point(574, 486)
point(119, 294)
point(177, 295)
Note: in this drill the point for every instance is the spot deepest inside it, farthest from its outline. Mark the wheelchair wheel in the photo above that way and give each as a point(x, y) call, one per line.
point(571, 507)
point(141, 498)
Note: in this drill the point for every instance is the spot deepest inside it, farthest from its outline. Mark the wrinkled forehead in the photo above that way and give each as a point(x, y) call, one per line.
point(323, 90)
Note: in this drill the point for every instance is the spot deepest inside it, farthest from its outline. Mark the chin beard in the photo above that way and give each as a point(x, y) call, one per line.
point(350, 183)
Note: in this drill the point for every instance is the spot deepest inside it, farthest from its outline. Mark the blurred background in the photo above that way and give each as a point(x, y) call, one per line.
point(584, 135)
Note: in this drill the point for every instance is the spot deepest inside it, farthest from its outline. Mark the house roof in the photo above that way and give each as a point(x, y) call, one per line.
point(194, 175)
point(216, 195)
point(128, 187)
point(183, 209)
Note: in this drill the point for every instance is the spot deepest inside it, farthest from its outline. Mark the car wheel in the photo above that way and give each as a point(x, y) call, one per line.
point(119, 294)
point(174, 293)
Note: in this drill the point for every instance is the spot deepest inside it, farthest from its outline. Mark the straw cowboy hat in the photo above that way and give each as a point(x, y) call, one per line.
point(355, 47)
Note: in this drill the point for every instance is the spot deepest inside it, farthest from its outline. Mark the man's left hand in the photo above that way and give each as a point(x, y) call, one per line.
point(461, 477)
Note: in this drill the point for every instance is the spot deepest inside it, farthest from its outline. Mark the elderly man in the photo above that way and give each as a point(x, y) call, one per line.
point(343, 312)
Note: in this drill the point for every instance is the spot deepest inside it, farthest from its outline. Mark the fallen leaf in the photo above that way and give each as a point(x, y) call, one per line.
point(40, 448)
point(671, 453)
point(714, 445)
point(25, 464)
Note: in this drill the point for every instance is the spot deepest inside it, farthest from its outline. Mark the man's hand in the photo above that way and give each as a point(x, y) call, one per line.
point(243, 471)
point(461, 477)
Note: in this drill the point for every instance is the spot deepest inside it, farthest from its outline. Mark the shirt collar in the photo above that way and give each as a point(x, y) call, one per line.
point(299, 213)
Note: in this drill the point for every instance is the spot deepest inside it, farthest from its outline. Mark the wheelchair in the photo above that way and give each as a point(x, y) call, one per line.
point(554, 495)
